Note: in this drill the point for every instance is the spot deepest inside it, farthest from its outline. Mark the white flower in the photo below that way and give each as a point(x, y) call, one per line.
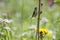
point(54, 37)
point(44, 19)
point(33, 26)
point(1, 33)
point(8, 21)
point(7, 28)
point(51, 31)
point(1, 20)
point(24, 33)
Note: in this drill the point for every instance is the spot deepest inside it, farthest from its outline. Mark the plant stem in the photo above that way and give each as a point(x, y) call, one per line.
point(38, 22)
point(41, 38)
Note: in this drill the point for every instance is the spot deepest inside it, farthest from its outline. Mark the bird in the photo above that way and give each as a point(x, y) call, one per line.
point(34, 12)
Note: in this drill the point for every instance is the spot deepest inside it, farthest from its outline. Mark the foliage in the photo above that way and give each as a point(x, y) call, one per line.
point(16, 22)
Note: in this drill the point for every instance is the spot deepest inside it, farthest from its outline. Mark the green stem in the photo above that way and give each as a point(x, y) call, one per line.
point(38, 22)
point(41, 38)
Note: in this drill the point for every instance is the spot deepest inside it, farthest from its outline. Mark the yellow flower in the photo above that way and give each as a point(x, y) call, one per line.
point(43, 31)
point(46, 31)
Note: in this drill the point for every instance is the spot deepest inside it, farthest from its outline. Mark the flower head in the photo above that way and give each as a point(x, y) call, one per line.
point(45, 19)
point(1, 20)
point(43, 31)
point(1, 33)
point(8, 21)
point(33, 27)
point(7, 28)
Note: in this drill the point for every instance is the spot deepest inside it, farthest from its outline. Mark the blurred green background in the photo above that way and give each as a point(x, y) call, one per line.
point(16, 22)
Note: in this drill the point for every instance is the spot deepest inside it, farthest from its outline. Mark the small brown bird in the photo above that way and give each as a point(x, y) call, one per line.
point(34, 12)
